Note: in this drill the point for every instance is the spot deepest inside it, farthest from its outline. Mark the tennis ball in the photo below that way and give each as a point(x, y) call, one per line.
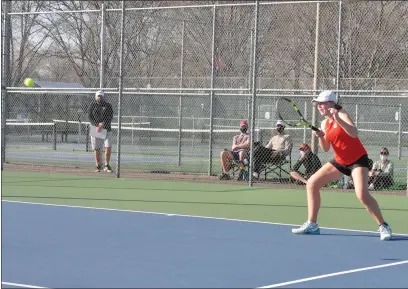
point(29, 82)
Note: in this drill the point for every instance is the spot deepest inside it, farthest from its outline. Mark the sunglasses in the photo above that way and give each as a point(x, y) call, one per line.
point(384, 153)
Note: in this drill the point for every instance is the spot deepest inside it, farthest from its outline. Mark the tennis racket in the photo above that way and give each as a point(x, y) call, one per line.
point(290, 114)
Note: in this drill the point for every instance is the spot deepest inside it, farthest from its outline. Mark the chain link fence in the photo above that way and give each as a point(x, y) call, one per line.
point(190, 75)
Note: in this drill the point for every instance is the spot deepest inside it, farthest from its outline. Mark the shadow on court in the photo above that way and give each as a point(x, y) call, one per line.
point(394, 238)
point(188, 202)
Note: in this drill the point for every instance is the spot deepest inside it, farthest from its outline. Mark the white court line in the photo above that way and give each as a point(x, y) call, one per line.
point(334, 274)
point(22, 285)
point(189, 216)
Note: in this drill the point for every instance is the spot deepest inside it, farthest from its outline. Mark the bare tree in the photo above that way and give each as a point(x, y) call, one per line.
point(27, 41)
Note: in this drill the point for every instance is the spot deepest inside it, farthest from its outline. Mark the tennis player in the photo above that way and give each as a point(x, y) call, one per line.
point(350, 158)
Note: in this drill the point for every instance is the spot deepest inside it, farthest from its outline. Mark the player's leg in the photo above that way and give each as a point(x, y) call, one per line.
point(360, 177)
point(322, 177)
point(241, 159)
point(226, 159)
point(261, 154)
point(108, 151)
point(96, 147)
point(298, 177)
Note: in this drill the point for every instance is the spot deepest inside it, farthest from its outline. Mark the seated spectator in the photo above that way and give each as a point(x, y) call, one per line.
point(382, 173)
point(309, 160)
point(238, 153)
point(350, 183)
point(279, 146)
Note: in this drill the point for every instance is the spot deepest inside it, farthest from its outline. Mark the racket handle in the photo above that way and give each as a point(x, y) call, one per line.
point(314, 128)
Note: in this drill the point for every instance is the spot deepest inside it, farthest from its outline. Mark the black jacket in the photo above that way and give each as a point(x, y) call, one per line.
point(101, 112)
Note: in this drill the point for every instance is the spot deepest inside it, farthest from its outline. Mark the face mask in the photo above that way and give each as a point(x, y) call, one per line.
point(383, 158)
point(243, 129)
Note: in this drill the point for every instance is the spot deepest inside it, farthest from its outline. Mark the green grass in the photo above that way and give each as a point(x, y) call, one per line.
point(340, 210)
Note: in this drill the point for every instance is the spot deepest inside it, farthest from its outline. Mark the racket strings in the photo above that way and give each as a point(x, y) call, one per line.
point(288, 113)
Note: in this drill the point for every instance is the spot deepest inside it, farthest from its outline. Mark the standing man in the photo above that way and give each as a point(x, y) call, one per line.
point(100, 114)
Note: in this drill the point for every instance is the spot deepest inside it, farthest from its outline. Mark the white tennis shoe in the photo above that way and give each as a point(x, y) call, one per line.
point(308, 228)
point(385, 232)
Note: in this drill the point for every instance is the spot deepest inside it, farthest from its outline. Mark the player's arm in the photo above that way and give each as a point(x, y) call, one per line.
point(91, 118)
point(109, 113)
point(388, 170)
point(269, 145)
point(234, 143)
point(374, 170)
point(107, 116)
point(296, 167)
point(288, 145)
point(323, 142)
point(345, 121)
point(244, 145)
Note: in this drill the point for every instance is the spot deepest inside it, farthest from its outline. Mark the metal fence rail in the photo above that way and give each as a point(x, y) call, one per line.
point(186, 72)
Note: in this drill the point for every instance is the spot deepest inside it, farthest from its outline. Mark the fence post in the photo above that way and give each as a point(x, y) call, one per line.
point(210, 140)
point(314, 142)
point(54, 136)
point(304, 129)
point(87, 138)
point(254, 89)
point(133, 126)
point(6, 74)
point(102, 46)
point(181, 97)
point(399, 131)
point(339, 47)
point(79, 131)
point(122, 39)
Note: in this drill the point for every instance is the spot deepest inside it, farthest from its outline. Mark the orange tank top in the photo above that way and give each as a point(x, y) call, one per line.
point(346, 149)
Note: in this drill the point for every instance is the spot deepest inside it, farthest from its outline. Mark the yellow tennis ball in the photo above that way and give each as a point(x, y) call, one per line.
point(29, 82)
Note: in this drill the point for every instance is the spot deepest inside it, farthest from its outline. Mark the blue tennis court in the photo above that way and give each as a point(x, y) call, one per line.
point(54, 246)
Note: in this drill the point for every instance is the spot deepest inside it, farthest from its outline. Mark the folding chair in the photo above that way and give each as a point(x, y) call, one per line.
point(243, 173)
point(277, 168)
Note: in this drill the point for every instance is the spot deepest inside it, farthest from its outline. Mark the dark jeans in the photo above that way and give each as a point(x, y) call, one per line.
point(264, 155)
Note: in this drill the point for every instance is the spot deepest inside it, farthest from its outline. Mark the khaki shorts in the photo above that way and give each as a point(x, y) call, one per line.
point(98, 143)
